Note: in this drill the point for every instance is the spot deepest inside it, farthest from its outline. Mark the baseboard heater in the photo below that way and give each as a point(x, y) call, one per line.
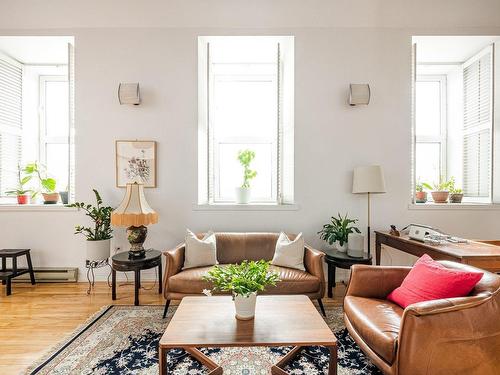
point(50, 275)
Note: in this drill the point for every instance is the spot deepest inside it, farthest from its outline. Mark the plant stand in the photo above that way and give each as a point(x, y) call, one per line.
point(91, 265)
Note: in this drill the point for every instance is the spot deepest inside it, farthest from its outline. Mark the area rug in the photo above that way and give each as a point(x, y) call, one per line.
point(124, 340)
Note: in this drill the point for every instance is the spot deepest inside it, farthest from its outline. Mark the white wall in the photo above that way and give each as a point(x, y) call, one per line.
point(336, 43)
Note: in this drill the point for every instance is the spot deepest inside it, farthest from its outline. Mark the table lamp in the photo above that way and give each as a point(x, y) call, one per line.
point(135, 213)
point(368, 180)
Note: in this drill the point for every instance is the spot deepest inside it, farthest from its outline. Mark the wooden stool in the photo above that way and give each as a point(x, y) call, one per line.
point(7, 274)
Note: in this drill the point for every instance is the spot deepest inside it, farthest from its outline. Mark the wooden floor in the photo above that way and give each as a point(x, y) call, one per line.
point(36, 317)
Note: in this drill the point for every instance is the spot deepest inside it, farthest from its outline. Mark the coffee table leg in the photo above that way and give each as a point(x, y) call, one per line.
point(162, 363)
point(332, 367)
point(113, 284)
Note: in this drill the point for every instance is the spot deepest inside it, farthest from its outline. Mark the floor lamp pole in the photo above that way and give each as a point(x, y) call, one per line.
point(369, 230)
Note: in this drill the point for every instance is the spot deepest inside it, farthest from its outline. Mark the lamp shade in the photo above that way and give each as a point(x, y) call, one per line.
point(134, 210)
point(368, 179)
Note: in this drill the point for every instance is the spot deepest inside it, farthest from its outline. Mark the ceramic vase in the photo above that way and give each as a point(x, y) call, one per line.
point(243, 195)
point(245, 306)
point(98, 250)
point(342, 248)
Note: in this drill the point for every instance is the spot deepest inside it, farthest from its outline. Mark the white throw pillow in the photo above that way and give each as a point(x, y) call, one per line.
point(289, 253)
point(200, 253)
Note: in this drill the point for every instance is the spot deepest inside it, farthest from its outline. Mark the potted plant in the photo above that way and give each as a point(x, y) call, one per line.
point(420, 194)
point(20, 191)
point(456, 194)
point(243, 281)
point(441, 191)
point(98, 236)
point(338, 230)
point(243, 192)
point(47, 184)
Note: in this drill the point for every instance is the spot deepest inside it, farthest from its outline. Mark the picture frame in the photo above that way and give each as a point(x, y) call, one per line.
point(135, 162)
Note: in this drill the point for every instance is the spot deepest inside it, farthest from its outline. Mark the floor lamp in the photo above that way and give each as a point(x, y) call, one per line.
point(368, 180)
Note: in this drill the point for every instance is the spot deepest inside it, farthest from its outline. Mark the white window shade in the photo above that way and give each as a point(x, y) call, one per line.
point(11, 79)
point(477, 141)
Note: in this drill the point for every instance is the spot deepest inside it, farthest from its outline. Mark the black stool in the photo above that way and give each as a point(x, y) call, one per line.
point(7, 274)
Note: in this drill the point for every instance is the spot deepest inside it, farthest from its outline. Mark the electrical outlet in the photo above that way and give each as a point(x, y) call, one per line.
point(117, 249)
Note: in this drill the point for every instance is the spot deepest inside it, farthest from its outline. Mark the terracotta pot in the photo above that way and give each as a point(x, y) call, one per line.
point(23, 199)
point(421, 196)
point(50, 197)
point(440, 196)
point(456, 198)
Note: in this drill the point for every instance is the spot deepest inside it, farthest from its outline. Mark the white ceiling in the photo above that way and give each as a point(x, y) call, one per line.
point(36, 49)
point(450, 48)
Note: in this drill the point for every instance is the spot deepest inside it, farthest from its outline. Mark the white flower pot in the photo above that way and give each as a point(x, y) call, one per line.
point(243, 195)
point(355, 245)
point(341, 248)
point(98, 250)
point(245, 306)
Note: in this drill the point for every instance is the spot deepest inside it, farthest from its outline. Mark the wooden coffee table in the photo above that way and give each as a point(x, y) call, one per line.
point(279, 321)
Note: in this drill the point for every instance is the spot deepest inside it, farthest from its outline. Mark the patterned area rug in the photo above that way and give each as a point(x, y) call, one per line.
point(124, 340)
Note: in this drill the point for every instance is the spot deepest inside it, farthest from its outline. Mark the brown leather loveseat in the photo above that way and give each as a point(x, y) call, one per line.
point(459, 336)
point(234, 248)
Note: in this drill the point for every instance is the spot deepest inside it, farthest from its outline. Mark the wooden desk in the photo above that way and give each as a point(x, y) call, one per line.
point(477, 254)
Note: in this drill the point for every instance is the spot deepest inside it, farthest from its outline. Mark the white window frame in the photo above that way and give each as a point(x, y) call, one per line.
point(283, 175)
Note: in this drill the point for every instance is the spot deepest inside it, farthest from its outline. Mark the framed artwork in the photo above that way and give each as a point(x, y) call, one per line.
point(135, 162)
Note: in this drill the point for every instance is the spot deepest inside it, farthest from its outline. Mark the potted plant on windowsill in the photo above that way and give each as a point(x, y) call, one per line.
point(441, 191)
point(22, 194)
point(243, 192)
point(420, 193)
point(243, 281)
point(456, 194)
point(99, 236)
point(47, 184)
point(338, 230)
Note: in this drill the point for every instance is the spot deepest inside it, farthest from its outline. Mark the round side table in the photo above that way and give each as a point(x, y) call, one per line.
point(122, 262)
point(335, 258)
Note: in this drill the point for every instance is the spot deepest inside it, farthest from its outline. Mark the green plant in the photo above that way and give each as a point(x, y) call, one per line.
point(245, 157)
point(420, 186)
point(21, 181)
point(47, 184)
point(338, 229)
point(100, 215)
point(241, 279)
point(452, 188)
point(443, 184)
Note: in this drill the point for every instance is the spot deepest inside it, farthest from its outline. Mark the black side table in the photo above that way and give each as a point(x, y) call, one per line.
point(7, 274)
point(122, 262)
point(335, 258)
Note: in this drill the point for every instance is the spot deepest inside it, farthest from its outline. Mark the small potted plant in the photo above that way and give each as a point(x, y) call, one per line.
point(456, 194)
point(22, 194)
point(243, 281)
point(243, 192)
point(47, 184)
point(420, 193)
point(98, 236)
point(338, 230)
point(441, 191)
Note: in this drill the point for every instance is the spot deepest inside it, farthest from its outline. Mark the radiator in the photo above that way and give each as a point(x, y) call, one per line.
point(50, 275)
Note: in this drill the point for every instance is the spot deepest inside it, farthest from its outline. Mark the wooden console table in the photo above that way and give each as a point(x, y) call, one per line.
point(477, 254)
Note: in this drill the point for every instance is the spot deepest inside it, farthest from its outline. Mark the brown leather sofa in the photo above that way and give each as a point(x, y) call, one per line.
point(447, 336)
point(234, 248)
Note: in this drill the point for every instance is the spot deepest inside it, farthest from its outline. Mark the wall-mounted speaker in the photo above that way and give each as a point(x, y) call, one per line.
point(359, 93)
point(129, 93)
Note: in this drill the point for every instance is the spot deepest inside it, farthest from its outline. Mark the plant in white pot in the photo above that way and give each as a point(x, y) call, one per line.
point(243, 281)
point(98, 236)
point(243, 192)
point(338, 230)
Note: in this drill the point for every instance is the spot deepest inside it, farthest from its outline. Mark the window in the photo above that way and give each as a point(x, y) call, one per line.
point(36, 111)
point(246, 102)
point(453, 114)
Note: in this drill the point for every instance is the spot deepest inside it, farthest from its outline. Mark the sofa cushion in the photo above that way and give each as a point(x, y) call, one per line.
point(377, 321)
point(292, 281)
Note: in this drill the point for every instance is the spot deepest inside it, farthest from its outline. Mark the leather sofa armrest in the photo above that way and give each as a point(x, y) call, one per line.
point(375, 281)
point(174, 262)
point(313, 262)
point(445, 305)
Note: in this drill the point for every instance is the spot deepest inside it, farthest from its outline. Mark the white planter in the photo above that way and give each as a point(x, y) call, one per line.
point(245, 306)
point(340, 248)
point(98, 250)
point(243, 195)
point(356, 245)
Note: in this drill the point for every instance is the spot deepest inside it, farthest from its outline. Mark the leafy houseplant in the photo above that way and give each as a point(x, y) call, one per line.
point(243, 192)
point(338, 230)
point(441, 190)
point(98, 236)
point(244, 281)
point(456, 194)
point(47, 184)
point(21, 192)
point(420, 193)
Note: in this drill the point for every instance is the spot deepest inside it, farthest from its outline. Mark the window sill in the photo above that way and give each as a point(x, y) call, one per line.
point(36, 207)
point(246, 207)
point(454, 206)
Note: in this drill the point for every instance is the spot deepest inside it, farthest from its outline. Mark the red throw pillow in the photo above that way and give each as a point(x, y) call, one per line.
point(429, 280)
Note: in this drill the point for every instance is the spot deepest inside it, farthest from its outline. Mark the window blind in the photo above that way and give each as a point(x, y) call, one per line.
point(477, 138)
point(11, 80)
